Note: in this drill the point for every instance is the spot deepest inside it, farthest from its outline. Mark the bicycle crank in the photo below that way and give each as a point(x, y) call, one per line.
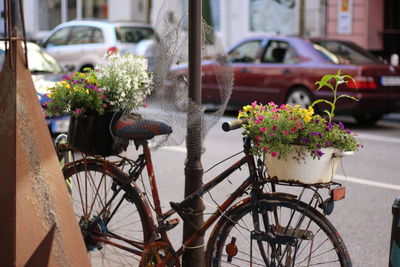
point(156, 252)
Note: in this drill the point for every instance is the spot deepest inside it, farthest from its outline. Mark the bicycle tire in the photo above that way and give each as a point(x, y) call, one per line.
point(312, 233)
point(92, 186)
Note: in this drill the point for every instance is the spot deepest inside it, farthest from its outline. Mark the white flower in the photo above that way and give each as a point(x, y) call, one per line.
point(125, 80)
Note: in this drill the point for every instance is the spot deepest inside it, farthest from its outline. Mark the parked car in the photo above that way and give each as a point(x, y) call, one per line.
point(81, 44)
point(285, 69)
point(45, 72)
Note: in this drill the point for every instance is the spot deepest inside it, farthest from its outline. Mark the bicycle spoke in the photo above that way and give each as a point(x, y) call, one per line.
point(112, 226)
point(293, 235)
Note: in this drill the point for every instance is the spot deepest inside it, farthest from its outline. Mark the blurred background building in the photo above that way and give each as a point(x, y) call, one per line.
point(373, 24)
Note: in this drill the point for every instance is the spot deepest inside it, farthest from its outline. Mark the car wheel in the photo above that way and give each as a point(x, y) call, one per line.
point(299, 96)
point(367, 118)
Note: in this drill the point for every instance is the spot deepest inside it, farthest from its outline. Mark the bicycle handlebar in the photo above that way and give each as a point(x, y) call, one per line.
point(232, 125)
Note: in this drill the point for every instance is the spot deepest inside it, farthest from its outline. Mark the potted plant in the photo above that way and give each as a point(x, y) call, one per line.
point(95, 99)
point(298, 144)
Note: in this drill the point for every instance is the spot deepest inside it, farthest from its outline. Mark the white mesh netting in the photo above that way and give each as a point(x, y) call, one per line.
point(169, 101)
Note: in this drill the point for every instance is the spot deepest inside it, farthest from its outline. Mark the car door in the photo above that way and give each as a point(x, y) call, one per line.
point(83, 46)
point(244, 59)
point(57, 43)
point(278, 71)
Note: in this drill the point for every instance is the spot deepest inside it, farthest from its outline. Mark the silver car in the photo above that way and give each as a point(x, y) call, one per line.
point(81, 44)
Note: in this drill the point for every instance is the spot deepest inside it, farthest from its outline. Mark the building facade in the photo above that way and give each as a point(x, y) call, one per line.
point(373, 24)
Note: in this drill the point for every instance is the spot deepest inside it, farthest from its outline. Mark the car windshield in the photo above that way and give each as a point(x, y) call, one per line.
point(39, 62)
point(129, 34)
point(345, 53)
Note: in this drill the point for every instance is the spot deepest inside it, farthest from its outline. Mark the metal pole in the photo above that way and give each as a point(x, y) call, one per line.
point(194, 256)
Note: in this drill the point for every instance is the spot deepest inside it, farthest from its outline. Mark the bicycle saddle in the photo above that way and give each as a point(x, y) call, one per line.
point(140, 129)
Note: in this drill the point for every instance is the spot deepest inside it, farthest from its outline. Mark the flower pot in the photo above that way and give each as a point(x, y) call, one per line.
point(300, 167)
point(91, 134)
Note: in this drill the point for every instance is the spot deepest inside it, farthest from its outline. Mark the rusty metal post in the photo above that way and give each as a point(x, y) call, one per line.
point(39, 227)
point(194, 256)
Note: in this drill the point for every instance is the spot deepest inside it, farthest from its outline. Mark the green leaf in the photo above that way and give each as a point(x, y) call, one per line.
point(347, 96)
point(321, 100)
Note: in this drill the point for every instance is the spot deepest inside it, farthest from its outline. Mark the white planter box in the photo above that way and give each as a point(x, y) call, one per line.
point(304, 169)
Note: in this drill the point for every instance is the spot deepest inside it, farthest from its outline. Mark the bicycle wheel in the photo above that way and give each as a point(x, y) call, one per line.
point(291, 233)
point(112, 217)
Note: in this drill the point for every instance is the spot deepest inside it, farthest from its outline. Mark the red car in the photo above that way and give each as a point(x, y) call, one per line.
point(285, 69)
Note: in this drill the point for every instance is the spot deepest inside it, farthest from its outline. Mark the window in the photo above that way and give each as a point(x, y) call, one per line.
point(133, 34)
point(97, 36)
point(346, 53)
point(50, 14)
point(80, 35)
point(60, 37)
point(279, 52)
point(246, 52)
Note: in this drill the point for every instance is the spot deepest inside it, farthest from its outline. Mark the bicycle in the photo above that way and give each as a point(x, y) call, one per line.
point(264, 228)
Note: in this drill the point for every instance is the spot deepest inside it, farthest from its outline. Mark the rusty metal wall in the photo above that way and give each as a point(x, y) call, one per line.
point(38, 227)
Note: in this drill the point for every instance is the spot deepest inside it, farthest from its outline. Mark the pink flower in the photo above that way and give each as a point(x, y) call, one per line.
point(105, 106)
point(266, 149)
point(274, 154)
point(254, 104)
point(274, 110)
point(260, 117)
point(271, 134)
point(77, 111)
point(272, 104)
point(259, 138)
point(103, 96)
point(263, 129)
point(262, 108)
point(293, 129)
point(145, 105)
point(285, 132)
point(275, 117)
point(257, 121)
point(283, 107)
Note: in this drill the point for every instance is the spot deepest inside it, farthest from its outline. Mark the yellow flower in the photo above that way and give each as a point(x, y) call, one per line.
point(87, 91)
point(310, 110)
point(64, 82)
point(246, 108)
point(68, 86)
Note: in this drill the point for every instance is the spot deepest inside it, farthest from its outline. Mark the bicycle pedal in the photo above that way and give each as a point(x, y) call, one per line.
point(168, 225)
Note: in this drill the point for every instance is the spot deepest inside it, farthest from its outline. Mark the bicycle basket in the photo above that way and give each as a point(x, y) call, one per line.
point(90, 134)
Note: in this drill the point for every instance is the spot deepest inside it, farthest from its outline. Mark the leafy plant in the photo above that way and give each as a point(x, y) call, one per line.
point(325, 81)
point(120, 83)
point(76, 94)
point(274, 129)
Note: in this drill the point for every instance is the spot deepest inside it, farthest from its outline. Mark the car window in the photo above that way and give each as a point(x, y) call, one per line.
point(40, 62)
point(128, 34)
point(279, 52)
point(60, 37)
point(345, 53)
point(80, 35)
point(246, 52)
point(97, 36)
